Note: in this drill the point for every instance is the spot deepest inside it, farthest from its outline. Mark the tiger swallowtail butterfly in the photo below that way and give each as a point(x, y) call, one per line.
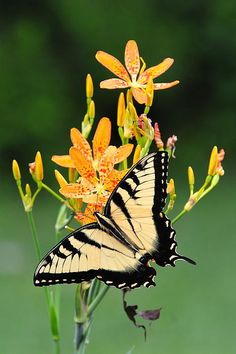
point(132, 231)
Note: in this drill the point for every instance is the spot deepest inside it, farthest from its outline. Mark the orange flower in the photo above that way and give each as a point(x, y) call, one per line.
point(95, 166)
point(133, 77)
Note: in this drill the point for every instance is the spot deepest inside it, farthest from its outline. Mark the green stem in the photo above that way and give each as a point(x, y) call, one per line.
point(34, 234)
point(179, 216)
point(83, 341)
point(97, 300)
point(38, 253)
point(57, 289)
point(35, 195)
point(37, 247)
point(57, 346)
point(93, 290)
point(125, 164)
point(18, 183)
point(57, 196)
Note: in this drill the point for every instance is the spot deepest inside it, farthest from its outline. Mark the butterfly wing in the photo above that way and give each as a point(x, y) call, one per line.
point(90, 252)
point(135, 208)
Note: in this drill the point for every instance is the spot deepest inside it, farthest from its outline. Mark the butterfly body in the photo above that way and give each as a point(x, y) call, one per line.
point(117, 247)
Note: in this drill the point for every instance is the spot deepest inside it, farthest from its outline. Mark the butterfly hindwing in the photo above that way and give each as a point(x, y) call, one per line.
point(90, 252)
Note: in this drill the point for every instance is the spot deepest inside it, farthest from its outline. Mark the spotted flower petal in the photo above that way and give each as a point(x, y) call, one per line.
point(97, 198)
point(113, 179)
point(81, 143)
point(107, 162)
point(123, 152)
point(101, 138)
point(76, 190)
point(155, 71)
point(112, 64)
point(132, 60)
point(63, 160)
point(165, 85)
point(113, 84)
point(82, 165)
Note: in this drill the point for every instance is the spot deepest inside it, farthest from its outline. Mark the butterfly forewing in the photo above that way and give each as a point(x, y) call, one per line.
point(135, 207)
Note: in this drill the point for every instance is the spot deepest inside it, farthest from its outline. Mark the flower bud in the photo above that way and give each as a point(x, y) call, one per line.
point(28, 190)
point(171, 187)
point(191, 180)
point(133, 112)
point(16, 170)
point(213, 161)
point(129, 97)
point(60, 179)
point(89, 86)
point(171, 142)
point(91, 110)
point(128, 125)
point(157, 137)
point(38, 167)
point(86, 119)
point(121, 110)
point(170, 145)
point(137, 154)
point(172, 194)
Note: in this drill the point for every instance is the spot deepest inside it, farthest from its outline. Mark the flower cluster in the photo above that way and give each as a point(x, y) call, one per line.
point(95, 167)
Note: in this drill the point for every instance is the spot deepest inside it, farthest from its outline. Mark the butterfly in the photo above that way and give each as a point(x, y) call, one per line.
point(132, 231)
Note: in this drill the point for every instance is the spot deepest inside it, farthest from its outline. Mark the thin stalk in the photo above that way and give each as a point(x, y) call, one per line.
point(179, 216)
point(37, 247)
point(57, 289)
point(93, 290)
point(35, 195)
point(57, 196)
point(57, 347)
point(97, 300)
point(34, 234)
point(125, 164)
point(38, 253)
point(84, 342)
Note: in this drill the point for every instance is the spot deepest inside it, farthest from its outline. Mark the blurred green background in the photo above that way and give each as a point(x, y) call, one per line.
point(46, 50)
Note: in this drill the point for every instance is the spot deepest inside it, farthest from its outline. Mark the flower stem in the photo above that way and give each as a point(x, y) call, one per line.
point(46, 292)
point(57, 196)
point(35, 195)
point(179, 216)
point(97, 300)
point(34, 234)
point(57, 346)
